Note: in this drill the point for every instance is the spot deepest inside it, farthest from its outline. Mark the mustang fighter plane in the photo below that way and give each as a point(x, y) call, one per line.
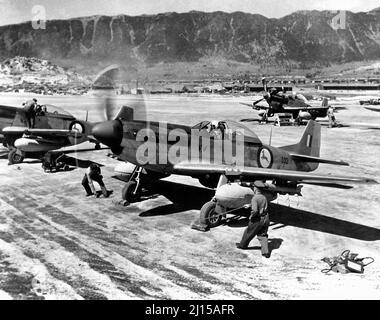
point(54, 128)
point(286, 167)
point(296, 104)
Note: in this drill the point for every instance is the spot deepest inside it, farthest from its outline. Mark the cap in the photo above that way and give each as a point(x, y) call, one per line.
point(259, 184)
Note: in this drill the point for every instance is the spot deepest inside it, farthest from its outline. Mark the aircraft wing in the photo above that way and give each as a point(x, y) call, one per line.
point(257, 106)
point(253, 173)
point(42, 132)
point(290, 107)
point(246, 104)
point(373, 108)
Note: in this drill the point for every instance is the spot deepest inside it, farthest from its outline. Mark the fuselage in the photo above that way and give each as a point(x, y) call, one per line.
point(52, 118)
point(159, 146)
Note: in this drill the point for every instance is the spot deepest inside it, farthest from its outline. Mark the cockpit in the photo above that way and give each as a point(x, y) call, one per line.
point(49, 109)
point(220, 129)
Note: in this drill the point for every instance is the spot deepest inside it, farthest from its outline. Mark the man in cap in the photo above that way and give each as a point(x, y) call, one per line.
point(258, 221)
point(330, 114)
point(30, 111)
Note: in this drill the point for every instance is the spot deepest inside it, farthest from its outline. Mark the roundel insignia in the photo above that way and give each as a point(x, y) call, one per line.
point(265, 158)
point(77, 126)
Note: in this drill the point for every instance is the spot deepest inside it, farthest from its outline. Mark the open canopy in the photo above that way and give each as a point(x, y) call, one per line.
point(232, 127)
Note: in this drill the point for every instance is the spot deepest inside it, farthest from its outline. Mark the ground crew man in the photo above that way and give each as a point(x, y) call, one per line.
point(258, 221)
point(330, 114)
point(93, 173)
point(30, 111)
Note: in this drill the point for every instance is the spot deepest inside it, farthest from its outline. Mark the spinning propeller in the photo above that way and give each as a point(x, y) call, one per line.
point(110, 132)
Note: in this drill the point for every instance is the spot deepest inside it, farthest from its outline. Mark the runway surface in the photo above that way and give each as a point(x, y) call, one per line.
point(57, 244)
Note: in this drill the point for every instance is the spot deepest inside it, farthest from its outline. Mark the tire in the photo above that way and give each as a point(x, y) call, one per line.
point(128, 192)
point(14, 156)
point(208, 215)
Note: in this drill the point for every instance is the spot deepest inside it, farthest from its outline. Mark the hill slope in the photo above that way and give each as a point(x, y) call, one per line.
point(306, 38)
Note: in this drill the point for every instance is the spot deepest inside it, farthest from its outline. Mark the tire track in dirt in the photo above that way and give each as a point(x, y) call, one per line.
point(76, 225)
point(201, 285)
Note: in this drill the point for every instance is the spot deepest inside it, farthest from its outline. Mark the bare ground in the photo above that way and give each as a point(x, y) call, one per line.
point(57, 244)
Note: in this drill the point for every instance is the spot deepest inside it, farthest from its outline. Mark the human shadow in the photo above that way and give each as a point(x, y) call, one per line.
point(273, 244)
point(186, 197)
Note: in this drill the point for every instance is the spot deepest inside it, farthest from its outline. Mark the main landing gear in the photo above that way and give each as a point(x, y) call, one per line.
point(132, 190)
point(209, 216)
point(15, 156)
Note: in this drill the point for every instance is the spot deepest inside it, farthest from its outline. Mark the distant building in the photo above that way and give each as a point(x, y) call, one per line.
point(348, 86)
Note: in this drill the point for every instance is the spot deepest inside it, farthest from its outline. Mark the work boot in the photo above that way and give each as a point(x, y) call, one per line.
point(105, 192)
point(89, 194)
point(239, 246)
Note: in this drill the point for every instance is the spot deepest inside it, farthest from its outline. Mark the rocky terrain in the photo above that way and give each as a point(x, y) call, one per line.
point(39, 76)
point(304, 38)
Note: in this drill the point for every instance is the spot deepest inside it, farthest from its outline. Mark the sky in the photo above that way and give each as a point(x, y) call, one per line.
point(16, 11)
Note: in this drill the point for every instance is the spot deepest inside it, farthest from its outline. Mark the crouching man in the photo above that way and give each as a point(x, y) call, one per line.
point(93, 173)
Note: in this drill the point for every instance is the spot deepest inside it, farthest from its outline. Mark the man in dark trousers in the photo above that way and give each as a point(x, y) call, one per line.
point(93, 173)
point(258, 221)
point(30, 111)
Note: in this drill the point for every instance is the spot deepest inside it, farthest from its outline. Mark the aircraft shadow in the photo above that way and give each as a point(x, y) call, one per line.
point(185, 197)
point(312, 221)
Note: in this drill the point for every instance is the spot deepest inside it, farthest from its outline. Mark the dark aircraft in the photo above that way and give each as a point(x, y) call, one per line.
point(195, 151)
point(295, 104)
point(54, 128)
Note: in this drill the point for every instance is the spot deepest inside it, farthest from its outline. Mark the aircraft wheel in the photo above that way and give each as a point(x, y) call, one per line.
point(15, 156)
point(129, 192)
point(209, 216)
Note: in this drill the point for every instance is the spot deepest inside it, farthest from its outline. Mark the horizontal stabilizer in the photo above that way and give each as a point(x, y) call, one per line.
point(304, 158)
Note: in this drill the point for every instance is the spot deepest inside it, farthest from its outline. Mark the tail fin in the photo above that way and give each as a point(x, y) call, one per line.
point(125, 113)
point(310, 142)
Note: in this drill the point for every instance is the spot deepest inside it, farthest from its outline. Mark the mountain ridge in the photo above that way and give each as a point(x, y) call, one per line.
point(304, 38)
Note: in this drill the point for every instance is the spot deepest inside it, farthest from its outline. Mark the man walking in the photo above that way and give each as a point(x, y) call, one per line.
point(258, 221)
point(330, 114)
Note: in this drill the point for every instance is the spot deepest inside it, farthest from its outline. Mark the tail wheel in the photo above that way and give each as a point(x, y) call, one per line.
point(129, 192)
point(15, 156)
point(209, 216)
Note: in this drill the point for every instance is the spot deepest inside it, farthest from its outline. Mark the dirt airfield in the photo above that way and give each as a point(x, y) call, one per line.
point(57, 244)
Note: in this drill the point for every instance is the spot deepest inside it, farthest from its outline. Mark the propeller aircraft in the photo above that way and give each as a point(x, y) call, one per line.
point(210, 153)
point(296, 104)
point(54, 128)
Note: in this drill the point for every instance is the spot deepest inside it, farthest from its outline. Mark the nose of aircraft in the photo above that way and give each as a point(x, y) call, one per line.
point(109, 133)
